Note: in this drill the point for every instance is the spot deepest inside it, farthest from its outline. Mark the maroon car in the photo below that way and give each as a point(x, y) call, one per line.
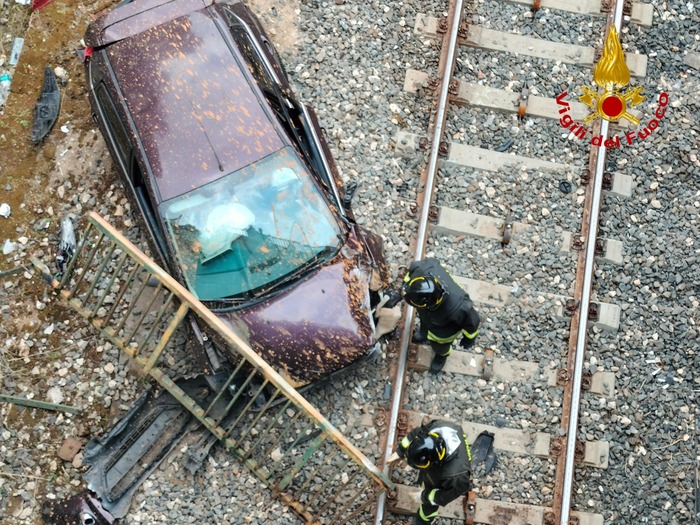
point(235, 181)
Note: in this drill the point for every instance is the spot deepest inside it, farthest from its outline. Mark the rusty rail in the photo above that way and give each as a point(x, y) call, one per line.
point(428, 178)
point(578, 335)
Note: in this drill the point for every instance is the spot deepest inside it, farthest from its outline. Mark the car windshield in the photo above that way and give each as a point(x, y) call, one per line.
point(251, 229)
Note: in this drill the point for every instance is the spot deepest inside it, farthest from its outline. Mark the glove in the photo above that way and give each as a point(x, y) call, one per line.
point(394, 298)
point(466, 342)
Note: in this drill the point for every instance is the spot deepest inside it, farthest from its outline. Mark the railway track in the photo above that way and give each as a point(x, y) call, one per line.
point(561, 235)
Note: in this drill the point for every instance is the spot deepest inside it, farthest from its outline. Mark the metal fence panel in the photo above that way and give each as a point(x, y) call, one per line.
point(249, 407)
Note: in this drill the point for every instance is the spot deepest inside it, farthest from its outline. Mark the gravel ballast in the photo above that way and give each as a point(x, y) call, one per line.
point(348, 59)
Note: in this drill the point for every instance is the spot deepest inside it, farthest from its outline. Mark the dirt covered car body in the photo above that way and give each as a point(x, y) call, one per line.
point(235, 181)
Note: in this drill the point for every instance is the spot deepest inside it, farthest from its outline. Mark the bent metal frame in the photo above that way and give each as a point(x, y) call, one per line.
point(286, 443)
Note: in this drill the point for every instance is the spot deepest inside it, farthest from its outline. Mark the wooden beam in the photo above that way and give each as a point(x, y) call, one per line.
point(488, 512)
point(480, 158)
point(510, 370)
point(642, 14)
point(476, 95)
point(485, 38)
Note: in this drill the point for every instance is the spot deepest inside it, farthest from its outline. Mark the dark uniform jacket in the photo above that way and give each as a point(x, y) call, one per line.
point(452, 477)
point(456, 311)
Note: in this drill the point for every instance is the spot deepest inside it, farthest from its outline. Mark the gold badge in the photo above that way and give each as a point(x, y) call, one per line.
point(612, 74)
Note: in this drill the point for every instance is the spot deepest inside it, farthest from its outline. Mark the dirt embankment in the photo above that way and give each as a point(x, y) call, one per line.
point(41, 183)
point(52, 40)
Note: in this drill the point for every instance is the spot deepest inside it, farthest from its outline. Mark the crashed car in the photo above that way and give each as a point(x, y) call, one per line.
point(235, 181)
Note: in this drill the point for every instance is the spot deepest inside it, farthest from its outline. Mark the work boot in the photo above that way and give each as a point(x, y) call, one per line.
point(437, 363)
point(417, 520)
point(419, 337)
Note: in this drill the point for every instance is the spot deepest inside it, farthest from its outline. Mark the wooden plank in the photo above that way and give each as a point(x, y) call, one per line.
point(457, 222)
point(484, 159)
point(488, 512)
point(479, 158)
point(510, 370)
point(470, 364)
point(642, 14)
point(499, 295)
point(484, 292)
point(580, 7)
point(506, 439)
point(476, 95)
point(485, 38)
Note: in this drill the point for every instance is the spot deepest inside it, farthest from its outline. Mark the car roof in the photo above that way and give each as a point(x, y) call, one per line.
point(197, 115)
point(130, 18)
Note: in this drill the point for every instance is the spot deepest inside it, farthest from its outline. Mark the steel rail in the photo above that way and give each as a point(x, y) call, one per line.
point(581, 335)
point(440, 119)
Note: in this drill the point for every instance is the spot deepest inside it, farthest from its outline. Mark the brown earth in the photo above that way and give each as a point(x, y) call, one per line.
point(52, 40)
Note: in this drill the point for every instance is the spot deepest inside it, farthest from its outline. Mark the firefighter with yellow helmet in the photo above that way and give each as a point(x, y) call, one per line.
point(440, 452)
point(445, 310)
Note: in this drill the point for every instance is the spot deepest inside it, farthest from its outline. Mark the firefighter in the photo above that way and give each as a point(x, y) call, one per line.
point(445, 310)
point(440, 452)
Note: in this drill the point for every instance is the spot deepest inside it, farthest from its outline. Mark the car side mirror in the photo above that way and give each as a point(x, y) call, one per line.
point(349, 193)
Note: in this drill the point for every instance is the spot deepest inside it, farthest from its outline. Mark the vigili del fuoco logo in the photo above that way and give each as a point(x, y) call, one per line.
point(613, 76)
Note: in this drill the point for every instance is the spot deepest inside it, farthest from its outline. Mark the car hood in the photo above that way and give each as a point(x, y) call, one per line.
point(318, 326)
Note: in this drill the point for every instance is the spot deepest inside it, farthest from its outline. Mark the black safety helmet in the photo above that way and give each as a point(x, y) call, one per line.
point(423, 291)
point(425, 451)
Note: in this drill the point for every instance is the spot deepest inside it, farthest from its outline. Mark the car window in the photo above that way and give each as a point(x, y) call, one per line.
point(255, 63)
point(251, 229)
point(115, 128)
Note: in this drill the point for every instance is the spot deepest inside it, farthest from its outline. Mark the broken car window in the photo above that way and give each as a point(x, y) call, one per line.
point(251, 228)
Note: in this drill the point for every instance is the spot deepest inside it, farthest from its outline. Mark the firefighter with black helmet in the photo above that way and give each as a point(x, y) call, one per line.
point(445, 310)
point(440, 452)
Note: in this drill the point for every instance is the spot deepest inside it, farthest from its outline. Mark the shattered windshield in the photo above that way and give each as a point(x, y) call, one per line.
point(251, 228)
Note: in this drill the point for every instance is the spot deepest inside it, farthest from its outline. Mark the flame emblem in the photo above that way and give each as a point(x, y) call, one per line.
point(612, 74)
